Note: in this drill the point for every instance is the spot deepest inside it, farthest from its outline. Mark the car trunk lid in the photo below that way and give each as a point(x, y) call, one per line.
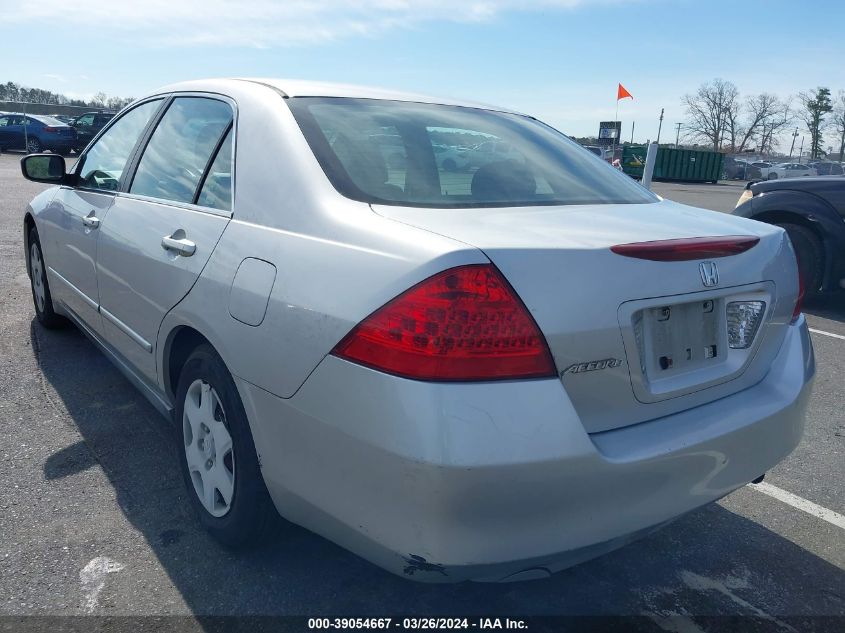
point(601, 311)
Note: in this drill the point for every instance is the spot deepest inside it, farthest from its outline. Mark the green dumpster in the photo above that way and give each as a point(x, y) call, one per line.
point(674, 164)
point(633, 160)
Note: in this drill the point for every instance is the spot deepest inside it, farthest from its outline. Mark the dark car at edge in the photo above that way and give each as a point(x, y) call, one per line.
point(811, 210)
point(88, 125)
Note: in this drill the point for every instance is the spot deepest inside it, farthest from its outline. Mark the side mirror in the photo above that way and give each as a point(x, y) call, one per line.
point(49, 168)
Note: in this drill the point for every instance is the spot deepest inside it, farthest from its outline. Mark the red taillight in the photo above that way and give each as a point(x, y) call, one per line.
point(685, 249)
point(466, 323)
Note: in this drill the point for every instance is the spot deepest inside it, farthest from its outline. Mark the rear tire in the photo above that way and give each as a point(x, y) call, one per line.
point(41, 297)
point(772, 177)
point(217, 454)
point(810, 254)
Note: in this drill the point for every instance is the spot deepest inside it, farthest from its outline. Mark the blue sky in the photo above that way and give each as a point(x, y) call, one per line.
point(559, 60)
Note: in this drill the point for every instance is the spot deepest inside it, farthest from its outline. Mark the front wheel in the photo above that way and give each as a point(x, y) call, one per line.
point(217, 455)
point(809, 253)
point(772, 177)
point(41, 297)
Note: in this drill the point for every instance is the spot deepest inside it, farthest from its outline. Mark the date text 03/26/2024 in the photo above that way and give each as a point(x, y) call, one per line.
point(416, 623)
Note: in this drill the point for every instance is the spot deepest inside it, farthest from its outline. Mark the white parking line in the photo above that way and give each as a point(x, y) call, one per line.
point(834, 518)
point(830, 334)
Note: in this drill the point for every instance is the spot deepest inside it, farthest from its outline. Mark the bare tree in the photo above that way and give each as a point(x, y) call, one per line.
point(839, 122)
point(734, 127)
point(710, 110)
point(118, 103)
point(816, 106)
point(766, 115)
point(781, 118)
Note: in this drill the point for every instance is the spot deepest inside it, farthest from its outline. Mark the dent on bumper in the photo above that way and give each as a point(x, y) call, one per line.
point(447, 482)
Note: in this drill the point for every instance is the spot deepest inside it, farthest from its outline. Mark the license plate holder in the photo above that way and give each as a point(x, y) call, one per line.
point(682, 337)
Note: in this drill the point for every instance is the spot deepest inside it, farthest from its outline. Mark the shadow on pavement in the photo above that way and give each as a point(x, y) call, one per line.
point(829, 306)
point(711, 561)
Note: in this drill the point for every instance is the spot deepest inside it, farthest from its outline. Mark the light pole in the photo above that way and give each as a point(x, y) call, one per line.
point(678, 134)
point(660, 126)
point(792, 147)
point(25, 131)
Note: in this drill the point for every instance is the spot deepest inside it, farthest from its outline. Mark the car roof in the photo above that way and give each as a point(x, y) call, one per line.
point(303, 88)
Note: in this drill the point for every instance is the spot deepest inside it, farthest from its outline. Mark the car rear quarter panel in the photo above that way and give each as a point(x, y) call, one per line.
point(322, 289)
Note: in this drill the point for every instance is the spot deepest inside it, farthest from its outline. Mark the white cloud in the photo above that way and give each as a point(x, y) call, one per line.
point(266, 23)
point(60, 78)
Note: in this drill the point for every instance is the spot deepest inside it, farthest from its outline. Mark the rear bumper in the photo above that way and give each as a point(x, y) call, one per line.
point(500, 481)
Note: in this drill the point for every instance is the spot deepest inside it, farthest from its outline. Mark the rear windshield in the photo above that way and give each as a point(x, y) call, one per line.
point(48, 120)
point(439, 156)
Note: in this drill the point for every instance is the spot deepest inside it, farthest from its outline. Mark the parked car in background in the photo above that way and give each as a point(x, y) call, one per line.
point(35, 133)
point(88, 125)
point(492, 151)
point(828, 168)
point(64, 118)
point(811, 211)
point(451, 158)
point(787, 170)
point(490, 382)
point(739, 169)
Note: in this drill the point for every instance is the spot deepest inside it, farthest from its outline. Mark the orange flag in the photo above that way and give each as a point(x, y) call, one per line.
point(621, 93)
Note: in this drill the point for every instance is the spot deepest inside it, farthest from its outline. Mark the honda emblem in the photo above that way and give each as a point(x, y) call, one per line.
point(709, 273)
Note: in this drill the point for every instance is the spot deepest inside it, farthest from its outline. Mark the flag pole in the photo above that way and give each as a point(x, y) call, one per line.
point(613, 144)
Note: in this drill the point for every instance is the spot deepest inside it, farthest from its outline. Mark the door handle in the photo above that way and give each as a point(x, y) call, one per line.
point(91, 221)
point(179, 244)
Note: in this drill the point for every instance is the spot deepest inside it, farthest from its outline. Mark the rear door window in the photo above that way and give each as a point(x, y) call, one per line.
point(178, 154)
point(216, 189)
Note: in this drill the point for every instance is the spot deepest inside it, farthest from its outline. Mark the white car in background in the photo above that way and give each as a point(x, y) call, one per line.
point(493, 151)
point(491, 382)
point(787, 170)
point(450, 157)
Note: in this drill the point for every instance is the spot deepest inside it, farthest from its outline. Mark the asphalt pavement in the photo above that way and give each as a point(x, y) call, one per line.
point(94, 517)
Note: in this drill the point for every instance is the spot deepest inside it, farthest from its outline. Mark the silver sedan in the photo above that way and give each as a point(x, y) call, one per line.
point(490, 373)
